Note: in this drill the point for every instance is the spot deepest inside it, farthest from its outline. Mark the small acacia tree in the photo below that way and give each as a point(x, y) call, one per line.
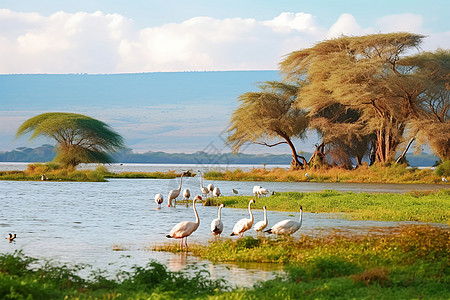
point(80, 139)
point(270, 114)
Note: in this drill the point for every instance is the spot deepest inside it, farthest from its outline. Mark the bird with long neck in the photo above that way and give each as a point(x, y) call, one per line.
point(173, 194)
point(244, 224)
point(287, 227)
point(217, 224)
point(261, 225)
point(184, 229)
point(159, 199)
point(202, 188)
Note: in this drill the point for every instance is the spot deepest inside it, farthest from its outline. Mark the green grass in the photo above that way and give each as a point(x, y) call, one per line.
point(408, 262)
point(429, 207)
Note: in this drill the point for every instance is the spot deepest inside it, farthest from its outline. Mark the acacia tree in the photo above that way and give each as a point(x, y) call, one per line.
point(269, 114)
point(432, 123)
point(80, 139)
point(361, 74)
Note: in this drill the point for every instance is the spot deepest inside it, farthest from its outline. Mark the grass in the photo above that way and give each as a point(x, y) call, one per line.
point(408, 262)
point(54, 172)
point(363, 174)
point(427, 207)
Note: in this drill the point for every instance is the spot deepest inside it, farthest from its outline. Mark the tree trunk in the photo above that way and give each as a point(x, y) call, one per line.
point(401, 157)
point(318, 153)
point(295, 163)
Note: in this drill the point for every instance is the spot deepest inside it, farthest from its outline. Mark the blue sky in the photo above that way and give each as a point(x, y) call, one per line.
point(111, 36)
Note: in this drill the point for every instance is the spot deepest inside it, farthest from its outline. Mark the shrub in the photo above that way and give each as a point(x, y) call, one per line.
point(443, 169)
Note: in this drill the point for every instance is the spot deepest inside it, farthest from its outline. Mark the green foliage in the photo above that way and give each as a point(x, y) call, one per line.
point(407, 262)
point(22, 277)
point(80, 139)
point(443, 169)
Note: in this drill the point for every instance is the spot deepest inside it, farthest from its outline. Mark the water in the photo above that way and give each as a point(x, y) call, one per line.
point(82, 222)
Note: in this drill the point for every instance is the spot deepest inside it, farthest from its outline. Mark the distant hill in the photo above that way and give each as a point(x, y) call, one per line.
point(45, 153)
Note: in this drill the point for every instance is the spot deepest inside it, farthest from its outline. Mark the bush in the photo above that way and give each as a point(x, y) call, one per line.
point(443, 169)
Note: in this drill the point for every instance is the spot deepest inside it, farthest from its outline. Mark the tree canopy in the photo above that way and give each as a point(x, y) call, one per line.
point(269, 114)
point(372, 77)
point(366, 96)
point(80, 139)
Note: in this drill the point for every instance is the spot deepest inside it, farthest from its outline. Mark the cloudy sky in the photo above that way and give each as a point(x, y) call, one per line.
point(134, 36)
point(112, 36)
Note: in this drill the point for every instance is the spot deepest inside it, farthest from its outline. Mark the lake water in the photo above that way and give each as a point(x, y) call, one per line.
point(82, 222)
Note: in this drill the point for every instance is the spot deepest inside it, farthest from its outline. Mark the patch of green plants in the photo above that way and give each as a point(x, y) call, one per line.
point(22, 277)
point(428, 207)
point(407, 262)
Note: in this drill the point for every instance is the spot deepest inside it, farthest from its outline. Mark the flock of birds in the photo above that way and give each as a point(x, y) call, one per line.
point(184, 229)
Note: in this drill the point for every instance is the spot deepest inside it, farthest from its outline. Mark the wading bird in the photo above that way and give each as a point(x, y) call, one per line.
point(159, 199)
point(217, 224)
point(210, 188)
point(184, 229)
point(202, 188)
point(261, 225)
point(216, 193)
point(256, 189)
point(262, 191)
point(186, 196)
point(235, 191)
point(244, 224)
point(173, 194)
point(287, 227)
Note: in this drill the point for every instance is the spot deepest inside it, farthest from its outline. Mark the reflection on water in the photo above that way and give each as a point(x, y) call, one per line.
point(82, 222)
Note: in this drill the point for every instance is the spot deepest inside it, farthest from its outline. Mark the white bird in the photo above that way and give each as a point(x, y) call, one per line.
point(307, 176)
point(184, 229)
point(262, 191)
point(244, 224)
point(261, 225)
point(210, 188)
point(159, 199)
point(173, 194)
point(287, 227)
point(186, 196)
point(256, 189)
point(217, 224)
point(444, 179)
point(203, 189)
point(216, 193)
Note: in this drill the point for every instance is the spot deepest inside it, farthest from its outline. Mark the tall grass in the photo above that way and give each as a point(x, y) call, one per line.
point(374, 174)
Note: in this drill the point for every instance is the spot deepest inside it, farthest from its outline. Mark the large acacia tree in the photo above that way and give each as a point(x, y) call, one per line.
point(80, 139)
point(431, 124)
point(267, 115)
point(361, 74)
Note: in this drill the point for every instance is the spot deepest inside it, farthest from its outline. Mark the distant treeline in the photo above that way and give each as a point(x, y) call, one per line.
point(45, 153)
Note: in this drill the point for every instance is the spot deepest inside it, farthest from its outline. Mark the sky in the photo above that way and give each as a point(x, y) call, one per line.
point(134, 36)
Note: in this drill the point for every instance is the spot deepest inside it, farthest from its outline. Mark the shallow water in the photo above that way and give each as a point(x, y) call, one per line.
point(82, 222)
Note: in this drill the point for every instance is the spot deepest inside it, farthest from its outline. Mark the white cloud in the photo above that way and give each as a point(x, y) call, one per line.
point(401, 22)
point(346, 25)
point(109, 43)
